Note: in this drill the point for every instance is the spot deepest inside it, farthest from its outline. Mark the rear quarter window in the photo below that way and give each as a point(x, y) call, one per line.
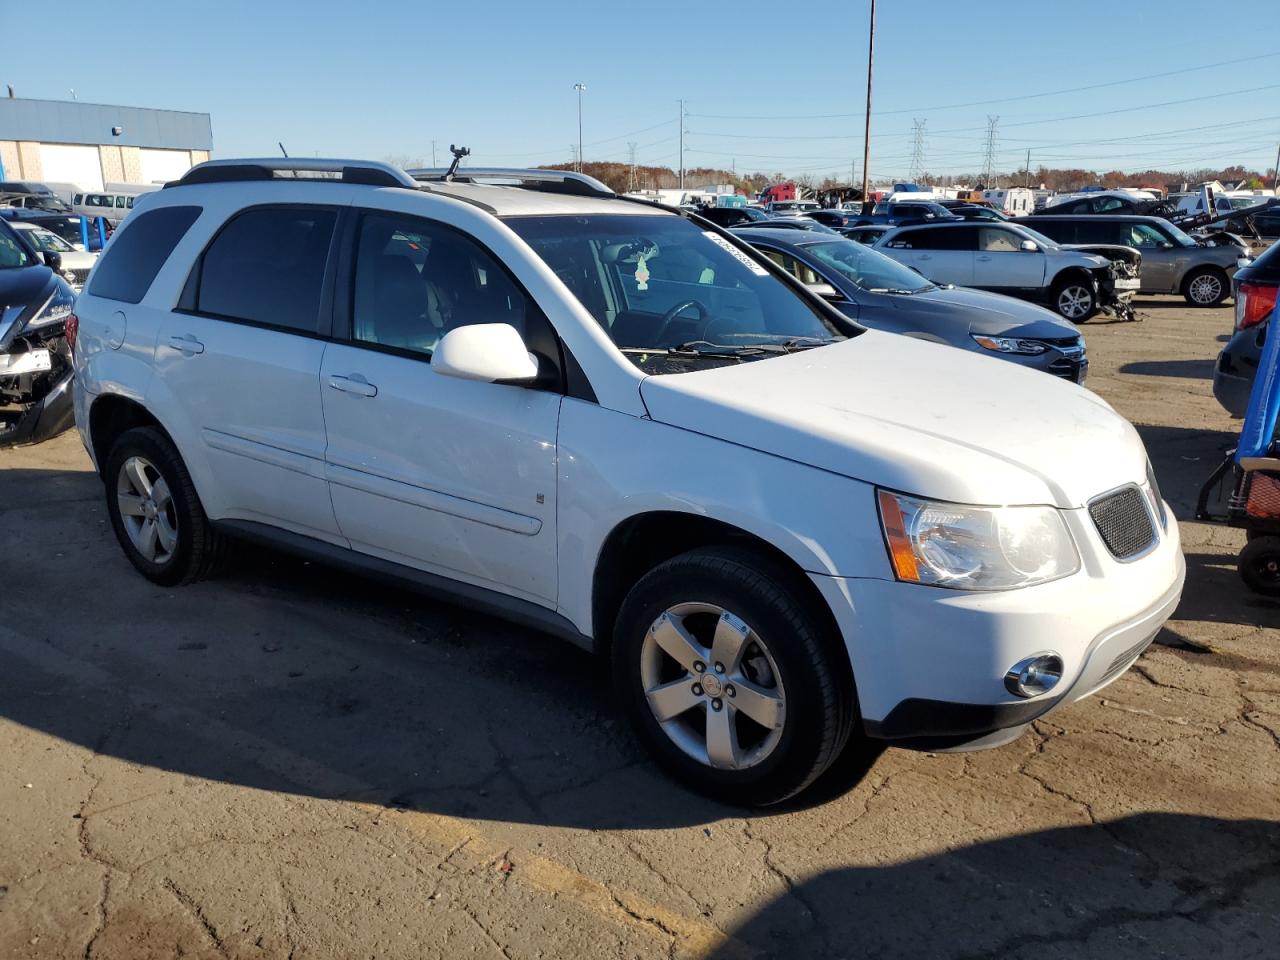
point(135, 256)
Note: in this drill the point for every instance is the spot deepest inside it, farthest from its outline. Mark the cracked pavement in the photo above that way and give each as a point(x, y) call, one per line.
point(288, 762)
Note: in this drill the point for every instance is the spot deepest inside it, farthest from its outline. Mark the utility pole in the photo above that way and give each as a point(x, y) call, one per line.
point(433, 153)
point(631, 151)
point(681, 144)
point(1028, 183)
point(581, 88)
point(866, 132)
point(1275, 176)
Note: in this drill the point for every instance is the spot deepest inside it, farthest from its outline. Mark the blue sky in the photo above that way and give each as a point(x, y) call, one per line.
point(376, 78)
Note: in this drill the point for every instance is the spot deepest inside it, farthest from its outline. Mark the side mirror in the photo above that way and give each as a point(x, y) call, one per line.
point(1166, 245)
point(489, 352)
point(53, 260)
point(1243, 262)
point(1029, 246)
point(825, 290)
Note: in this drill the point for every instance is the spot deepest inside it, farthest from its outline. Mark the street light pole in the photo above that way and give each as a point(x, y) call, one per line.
point(866, 133)
point(580, 87)
point(681, 144)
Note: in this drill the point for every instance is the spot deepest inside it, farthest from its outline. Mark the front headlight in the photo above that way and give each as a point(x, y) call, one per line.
point(56, 310)
point(975, 548)
point(1029, 348)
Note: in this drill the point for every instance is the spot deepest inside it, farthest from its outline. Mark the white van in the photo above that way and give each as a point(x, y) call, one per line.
point(113, 205)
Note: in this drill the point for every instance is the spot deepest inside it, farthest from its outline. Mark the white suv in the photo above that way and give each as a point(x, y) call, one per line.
point(622, 425)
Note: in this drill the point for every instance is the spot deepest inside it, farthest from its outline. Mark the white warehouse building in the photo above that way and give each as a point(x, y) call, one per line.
point(93, 144)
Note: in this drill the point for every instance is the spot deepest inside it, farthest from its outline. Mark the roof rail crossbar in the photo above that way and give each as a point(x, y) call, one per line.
point(368, 172)
point(547, 181)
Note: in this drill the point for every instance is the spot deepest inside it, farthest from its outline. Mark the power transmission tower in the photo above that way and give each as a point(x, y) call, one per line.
point(573, 154)
point(990, 162)
point(631, 152)
point(917, 152)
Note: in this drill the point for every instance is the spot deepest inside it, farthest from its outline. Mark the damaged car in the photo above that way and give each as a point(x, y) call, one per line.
point(35, 358)
point(1011, 259)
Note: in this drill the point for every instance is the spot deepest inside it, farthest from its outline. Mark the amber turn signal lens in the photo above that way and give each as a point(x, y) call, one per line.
point(900, 552)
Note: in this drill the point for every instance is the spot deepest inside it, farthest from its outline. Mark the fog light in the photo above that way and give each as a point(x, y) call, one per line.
point(1035, 675)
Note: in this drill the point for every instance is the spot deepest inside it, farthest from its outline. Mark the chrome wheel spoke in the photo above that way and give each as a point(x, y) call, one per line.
point(136, 470)
point(761, 705)
point(130, 505)
point(674, 639)
point(729, 641)
point(722, 740)
point(672, 699)
point(148, 536)
point(160, 493)
point(167, 536)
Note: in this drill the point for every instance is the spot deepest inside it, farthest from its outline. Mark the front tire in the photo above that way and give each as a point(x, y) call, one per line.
point(1205, 287)
point(155, 511)
point(729, 678)
point(1074, 299)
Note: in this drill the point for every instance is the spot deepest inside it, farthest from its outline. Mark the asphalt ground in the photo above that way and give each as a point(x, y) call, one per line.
point(290, 762)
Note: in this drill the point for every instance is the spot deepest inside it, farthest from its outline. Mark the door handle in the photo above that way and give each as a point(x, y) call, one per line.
point(186, 343)
point(984, 258)
point(926, 256)
point(353, 384)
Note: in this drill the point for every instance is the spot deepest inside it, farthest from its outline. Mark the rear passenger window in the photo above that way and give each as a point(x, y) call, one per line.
point(135, 256)
point(267, 266)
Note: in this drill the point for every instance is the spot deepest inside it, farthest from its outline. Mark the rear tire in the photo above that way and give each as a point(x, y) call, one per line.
point(156, 513)
point(1206, 287)
point(760, 701)
point(1074, 299)
point(1260, 565)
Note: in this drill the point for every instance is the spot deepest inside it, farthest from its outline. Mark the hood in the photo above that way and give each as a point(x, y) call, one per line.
point(20, 286)
point(992, 314)
point(916, 417)
point(1112, 251)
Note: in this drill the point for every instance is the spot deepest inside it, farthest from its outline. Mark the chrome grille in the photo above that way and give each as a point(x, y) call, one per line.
point(1123, 520)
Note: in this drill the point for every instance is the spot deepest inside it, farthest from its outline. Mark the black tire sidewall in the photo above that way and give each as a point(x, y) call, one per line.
point(152, 446)
point(1255, 550)
point(796, 760)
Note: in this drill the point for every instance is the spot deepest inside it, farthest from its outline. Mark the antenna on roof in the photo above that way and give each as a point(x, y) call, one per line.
point(283, 151)
point(458, 154)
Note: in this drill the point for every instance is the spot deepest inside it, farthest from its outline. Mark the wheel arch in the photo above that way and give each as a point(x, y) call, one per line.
point(110, 416)
point(1200, 268)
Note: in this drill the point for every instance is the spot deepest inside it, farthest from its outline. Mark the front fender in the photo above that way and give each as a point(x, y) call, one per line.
point(614, 467)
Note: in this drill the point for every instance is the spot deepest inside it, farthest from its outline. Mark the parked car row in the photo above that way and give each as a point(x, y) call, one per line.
point(653, 437)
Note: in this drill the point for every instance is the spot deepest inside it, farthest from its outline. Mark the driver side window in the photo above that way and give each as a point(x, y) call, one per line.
point(793, 266)
point(996, 240)
point(416, 280)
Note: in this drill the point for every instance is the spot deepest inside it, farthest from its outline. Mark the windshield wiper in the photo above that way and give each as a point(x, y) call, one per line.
point(807, 343)
point(900, 290)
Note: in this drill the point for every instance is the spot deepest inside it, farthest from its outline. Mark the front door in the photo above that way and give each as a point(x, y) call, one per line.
point(1001, 263)
point(241, 363)
point(455, 477)
point(944, 254)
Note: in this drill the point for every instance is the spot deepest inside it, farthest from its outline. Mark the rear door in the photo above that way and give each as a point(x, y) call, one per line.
point(1001, 263)
point(456, 477)
point(240, 361)
point(944, 254)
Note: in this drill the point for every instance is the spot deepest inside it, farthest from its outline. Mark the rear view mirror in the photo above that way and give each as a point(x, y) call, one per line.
point(489, 352)
point(1030, 246)
point(824, 290)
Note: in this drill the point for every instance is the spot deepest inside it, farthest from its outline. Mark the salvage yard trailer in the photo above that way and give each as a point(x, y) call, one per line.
point(1016, 201)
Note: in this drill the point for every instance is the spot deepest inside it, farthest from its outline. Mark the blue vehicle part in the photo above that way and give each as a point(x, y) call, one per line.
point(1259, 430)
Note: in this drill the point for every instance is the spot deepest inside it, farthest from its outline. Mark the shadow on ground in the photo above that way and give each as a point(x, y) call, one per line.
point(1191, 369)
point(289, 676)
point(1151, 885)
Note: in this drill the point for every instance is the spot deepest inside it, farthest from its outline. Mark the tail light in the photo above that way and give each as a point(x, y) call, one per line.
point(1254, 303)
point(72, 326)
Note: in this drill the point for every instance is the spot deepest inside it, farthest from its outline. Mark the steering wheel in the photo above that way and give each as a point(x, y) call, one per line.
point(669, 320)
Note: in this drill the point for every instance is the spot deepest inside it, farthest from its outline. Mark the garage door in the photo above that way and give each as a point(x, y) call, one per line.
point(65, 163)
point(161, 166)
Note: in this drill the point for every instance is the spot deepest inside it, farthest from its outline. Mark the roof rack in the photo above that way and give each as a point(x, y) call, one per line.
point(547, 181)
point(368, 172)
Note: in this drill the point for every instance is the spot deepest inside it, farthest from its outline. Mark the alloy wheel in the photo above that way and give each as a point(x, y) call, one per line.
point(147, 510)
point(713, 686)
point(1075, 301)
point(1205, 289)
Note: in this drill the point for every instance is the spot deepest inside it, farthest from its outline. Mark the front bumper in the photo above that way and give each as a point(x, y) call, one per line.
point(929, 664)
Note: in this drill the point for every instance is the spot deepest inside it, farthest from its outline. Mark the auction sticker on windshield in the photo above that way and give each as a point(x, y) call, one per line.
point(737, 254)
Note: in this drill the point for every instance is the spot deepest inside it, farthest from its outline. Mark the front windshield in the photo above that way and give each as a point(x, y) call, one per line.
point(1178, 236)
point(1039, 238)
point(868, 269)
point(658, 283)
point(45, 240)
point(12, 253)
